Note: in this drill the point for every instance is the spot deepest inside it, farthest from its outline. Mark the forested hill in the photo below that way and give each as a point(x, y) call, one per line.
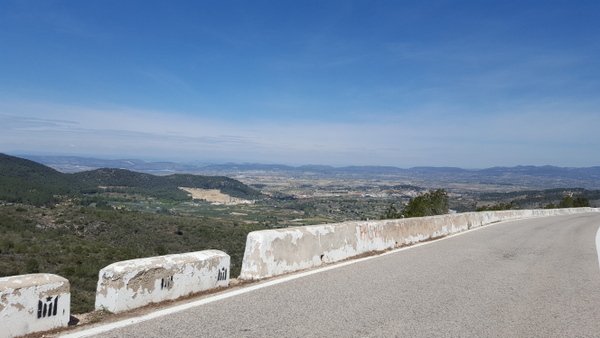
point(33, 172)
point(28, 182)
point(165, 186)
point(25, 181)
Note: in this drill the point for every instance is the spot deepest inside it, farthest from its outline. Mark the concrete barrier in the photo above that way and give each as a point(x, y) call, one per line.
point(134, 283)
point(274, 252)
point(33, 303)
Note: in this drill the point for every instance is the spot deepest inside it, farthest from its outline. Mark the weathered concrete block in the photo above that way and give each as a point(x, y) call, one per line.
point(33, 303)
point(274, 252)
point(134, 283)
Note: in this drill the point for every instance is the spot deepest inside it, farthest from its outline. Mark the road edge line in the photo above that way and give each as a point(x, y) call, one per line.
point(228, 294)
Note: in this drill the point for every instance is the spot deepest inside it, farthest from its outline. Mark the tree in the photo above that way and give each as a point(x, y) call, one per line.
point(391, 213)
point(497, 207)
point(570, 202)
point(566, 202)
point(581, 202)
point(428, 204)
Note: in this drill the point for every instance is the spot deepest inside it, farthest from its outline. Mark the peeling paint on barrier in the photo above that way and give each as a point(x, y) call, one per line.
point(134, 283)
point(33, 303)
point(275, 252)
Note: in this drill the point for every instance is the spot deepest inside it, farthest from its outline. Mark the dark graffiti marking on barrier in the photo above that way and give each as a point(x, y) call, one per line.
point(47, 308)
point(370, 231)
point(222, 274)
point(166, 283)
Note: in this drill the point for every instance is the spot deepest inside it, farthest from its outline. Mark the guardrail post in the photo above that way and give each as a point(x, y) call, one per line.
point(134, 283)
point(33, 303)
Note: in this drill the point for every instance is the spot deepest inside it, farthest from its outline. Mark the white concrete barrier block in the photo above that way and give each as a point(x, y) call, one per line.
point(134, 283)
point(33, 303)
point(274, 252)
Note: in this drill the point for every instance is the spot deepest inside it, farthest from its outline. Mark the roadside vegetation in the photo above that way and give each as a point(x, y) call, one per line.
point(539, 199)
point(73, 225)
point(428, 204)
point(76, 242)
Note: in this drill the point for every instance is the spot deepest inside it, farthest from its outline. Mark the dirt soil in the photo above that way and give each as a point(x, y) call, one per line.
point(213, 195)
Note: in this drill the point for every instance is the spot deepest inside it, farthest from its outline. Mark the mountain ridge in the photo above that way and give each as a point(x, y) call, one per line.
point(546, 176)
point(24, 180)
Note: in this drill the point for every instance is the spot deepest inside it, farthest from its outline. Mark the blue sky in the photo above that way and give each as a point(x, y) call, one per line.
point(472, 84)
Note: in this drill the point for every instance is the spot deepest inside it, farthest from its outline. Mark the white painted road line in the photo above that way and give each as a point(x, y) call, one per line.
point(260, 285)
point(160, 313)
point(598, 245)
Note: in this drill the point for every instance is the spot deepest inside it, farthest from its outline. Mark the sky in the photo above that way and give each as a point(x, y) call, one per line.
point(471, 84)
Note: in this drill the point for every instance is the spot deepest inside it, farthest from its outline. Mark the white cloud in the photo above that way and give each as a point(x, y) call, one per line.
point(529, 136)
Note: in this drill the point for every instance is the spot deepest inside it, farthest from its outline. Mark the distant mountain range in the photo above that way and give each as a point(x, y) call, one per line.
point(519, 176)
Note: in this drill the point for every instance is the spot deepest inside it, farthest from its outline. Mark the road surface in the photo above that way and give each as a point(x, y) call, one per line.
point(529, 278)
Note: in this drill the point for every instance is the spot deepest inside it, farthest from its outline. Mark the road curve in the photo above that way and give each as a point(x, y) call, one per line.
point(538, 277)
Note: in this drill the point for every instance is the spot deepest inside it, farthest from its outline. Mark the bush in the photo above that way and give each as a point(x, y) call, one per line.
point(428, 204)
point(32, 266)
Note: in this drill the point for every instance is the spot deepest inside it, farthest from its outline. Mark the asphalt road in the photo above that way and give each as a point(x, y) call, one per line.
point(530, 278)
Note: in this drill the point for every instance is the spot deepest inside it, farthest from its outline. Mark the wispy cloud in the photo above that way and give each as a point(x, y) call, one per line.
point(10, 123)
point(533, 136)
point(449, 83)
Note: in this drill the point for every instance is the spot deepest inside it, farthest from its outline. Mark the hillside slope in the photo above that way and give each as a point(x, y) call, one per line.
point(26, 181)
point(538, 177)
point(165, 186)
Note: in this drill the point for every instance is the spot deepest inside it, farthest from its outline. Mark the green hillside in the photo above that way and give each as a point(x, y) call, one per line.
point(25, 181)
point(11, 166)
point(166, 187)
point(65, 224)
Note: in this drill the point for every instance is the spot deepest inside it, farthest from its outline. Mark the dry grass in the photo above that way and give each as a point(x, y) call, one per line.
point(213, 195)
